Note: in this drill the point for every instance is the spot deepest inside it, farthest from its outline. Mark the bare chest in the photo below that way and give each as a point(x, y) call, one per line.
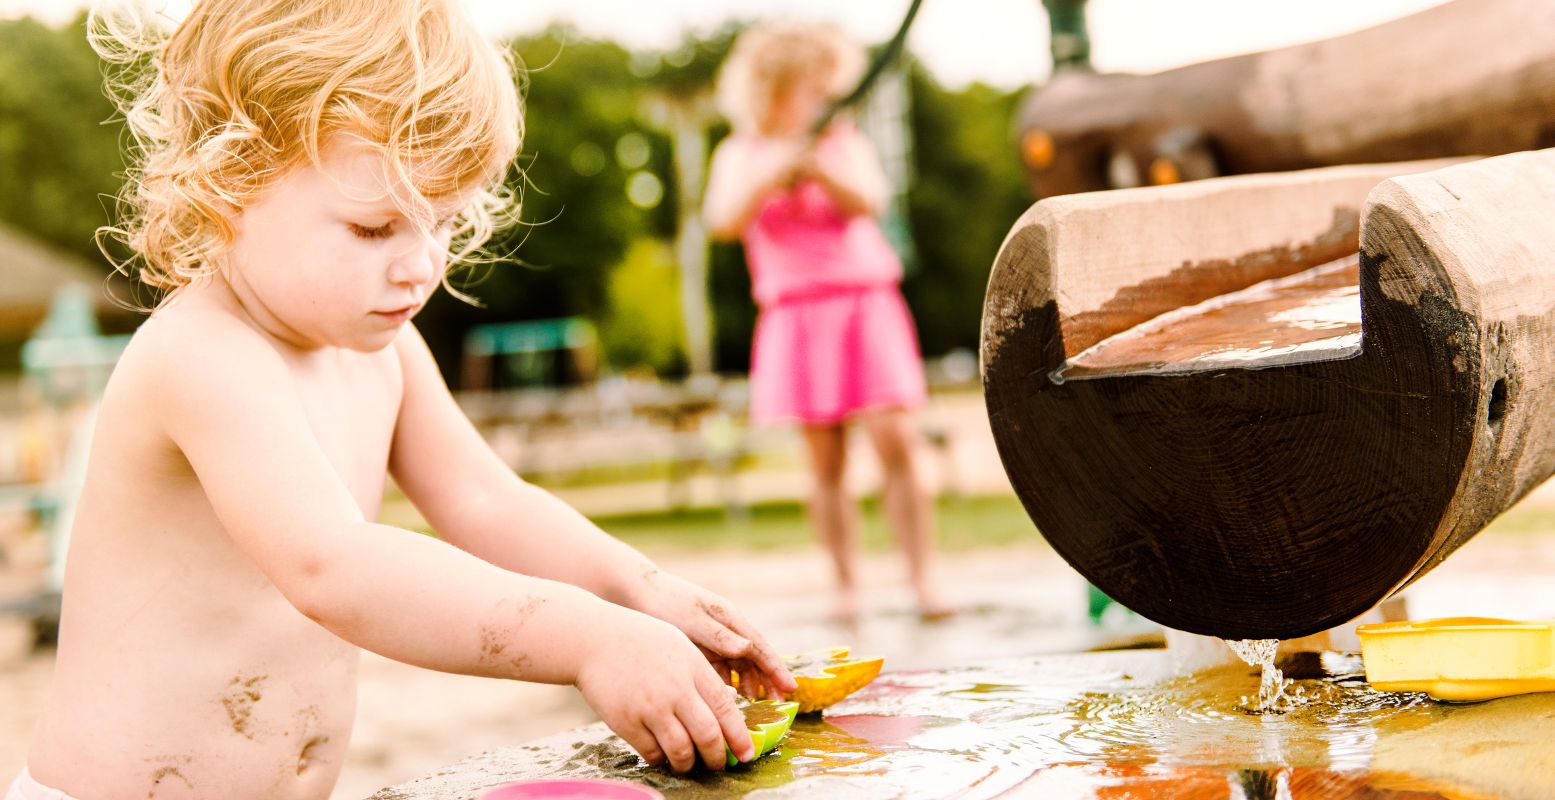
point(352, 409)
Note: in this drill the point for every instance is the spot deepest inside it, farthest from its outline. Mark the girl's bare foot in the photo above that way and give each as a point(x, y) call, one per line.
point(845, 607)
point(932, 605)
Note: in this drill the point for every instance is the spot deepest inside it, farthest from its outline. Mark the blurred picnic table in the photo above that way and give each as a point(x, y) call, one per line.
point(621, 427)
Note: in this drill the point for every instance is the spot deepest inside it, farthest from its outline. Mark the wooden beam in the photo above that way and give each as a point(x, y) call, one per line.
point(1468, 77)
point(1282, 500)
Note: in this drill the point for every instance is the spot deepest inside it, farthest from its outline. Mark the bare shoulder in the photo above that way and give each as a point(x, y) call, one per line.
point(734, 147)
point(410, 359)
point(197, 342)
point(192, 363)
point(851, 137)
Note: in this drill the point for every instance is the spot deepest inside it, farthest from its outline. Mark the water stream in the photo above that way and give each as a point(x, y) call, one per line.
point(1271, 685)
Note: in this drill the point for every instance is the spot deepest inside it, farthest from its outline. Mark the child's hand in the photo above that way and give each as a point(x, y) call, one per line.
point(656, 691)
point(729, 641)
point(787, 162)
point(809, 164)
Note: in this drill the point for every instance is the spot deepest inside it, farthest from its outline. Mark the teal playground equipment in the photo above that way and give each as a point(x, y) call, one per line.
point(65, 365)
point(537, 353)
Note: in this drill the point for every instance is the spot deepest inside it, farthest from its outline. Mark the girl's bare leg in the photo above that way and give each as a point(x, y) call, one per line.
point(909, 504)
point(833, 513)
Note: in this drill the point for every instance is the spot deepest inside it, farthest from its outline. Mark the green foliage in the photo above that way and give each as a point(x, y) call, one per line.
point(59, 155)
point(60, 161)
point(642, 327)
point(691, 68)
point(580, 99)
point(968, 191)
point(734, 312)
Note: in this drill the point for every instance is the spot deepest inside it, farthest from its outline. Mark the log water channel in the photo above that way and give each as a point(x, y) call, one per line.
point(1094, 725)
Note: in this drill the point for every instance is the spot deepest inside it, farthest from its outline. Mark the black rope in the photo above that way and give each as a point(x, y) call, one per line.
point(882, 58)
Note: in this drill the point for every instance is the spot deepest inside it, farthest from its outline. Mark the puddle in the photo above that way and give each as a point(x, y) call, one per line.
point(1098, 725)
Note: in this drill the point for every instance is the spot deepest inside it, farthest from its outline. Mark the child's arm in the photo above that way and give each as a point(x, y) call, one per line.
point(741, 178)
point(475, 502)
point(849, 171)
point(230, 405)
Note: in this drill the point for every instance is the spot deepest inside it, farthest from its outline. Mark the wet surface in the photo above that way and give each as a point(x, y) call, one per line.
point(1310, 316)
point(758, 714)
point(1095, 725)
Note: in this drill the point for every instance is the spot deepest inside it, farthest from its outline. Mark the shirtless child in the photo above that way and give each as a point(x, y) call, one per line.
point(306, 168)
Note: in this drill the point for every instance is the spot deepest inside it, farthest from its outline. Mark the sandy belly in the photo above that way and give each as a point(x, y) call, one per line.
point(257, 707)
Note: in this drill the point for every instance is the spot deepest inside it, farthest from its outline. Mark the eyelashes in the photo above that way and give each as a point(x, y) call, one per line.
point(386, 230)
point(383, 231)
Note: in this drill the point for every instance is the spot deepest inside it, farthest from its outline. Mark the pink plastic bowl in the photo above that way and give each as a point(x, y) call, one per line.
point(572, 789)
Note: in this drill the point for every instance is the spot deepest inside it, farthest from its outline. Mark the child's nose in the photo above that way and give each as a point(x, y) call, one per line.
point(419, 263)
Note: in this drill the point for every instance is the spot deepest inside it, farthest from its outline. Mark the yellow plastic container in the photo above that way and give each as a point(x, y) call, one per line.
point(1461, 659)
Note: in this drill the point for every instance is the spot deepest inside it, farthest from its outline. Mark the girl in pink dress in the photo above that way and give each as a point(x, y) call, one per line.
point(834, 341)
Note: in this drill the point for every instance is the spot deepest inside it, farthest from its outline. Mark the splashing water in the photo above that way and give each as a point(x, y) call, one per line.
point(1260, 653)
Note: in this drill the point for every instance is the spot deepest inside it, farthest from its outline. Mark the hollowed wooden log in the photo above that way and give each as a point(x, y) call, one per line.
point(1273, 488)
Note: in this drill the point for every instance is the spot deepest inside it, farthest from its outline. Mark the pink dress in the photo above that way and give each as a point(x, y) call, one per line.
point(833, 337)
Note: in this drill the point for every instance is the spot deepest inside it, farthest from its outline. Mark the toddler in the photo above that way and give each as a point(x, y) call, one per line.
point(834, 341)
point(305, 169)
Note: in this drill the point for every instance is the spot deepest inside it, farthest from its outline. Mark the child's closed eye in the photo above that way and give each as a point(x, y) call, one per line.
point(386, 230)
point(383, 231)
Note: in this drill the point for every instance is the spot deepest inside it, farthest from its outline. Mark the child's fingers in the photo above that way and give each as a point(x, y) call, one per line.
point(768, 660)
point(642, 740)
point(716, 636)
point(759, 682)
point(739, 631)
point(704, 728)
point(674, 741)
point(753, 683)
point(770, 689)
point(728, 722)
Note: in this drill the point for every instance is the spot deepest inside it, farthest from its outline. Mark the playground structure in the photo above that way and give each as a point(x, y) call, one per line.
point(1469, 77)
point(1241, 461)
point(1249, 407)
point(65, 365)
point(1215, 432)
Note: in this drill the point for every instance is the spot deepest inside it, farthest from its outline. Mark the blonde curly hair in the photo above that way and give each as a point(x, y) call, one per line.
point(244, 90)
point(770, 57)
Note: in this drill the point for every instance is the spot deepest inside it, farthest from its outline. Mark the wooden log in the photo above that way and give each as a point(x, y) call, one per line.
point(1278, 497)
point(1469, 77)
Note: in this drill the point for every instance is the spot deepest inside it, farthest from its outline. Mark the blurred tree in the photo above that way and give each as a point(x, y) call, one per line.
point(595, 177)
point(59, 153)
point(642, 325)
point(583, 149)
point(967, 192)
point(734, 312)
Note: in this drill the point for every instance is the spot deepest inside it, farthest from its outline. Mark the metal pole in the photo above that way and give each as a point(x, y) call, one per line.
point(1070, 42)
point(688, 128)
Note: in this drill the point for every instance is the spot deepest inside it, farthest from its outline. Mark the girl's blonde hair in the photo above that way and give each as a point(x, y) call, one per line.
point(769, 58)
point(244, 90)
